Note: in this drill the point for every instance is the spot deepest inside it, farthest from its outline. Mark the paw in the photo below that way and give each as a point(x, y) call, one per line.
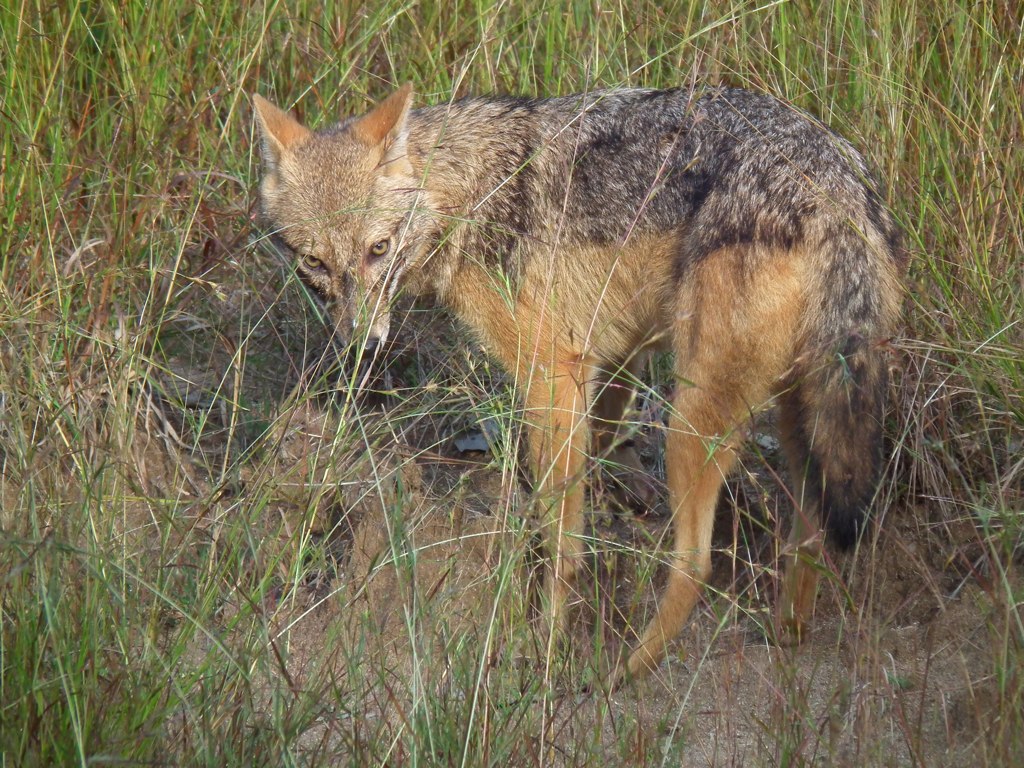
point(791, 632)
point(799, 588)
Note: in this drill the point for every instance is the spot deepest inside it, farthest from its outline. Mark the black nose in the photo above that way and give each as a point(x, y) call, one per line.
point(361, 356)
point(341, 361)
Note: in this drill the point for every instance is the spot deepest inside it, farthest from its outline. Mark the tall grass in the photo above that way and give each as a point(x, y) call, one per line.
point(148, 337)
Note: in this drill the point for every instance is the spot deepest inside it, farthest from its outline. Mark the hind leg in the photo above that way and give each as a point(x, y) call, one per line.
point(699, 458)
point(739, 316)
point(804, 546)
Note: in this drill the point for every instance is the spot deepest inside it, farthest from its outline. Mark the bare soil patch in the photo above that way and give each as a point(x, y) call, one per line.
point(423, 579)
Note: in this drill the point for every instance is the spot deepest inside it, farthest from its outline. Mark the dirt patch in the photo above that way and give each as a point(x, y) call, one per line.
point(893, 671)
point(405, 581)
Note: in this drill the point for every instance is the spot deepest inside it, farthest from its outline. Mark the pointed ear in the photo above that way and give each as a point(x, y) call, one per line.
point(385, 126)
point(279, 131)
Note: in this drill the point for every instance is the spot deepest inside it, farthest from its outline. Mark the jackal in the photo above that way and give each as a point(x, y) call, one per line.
point(574, 235)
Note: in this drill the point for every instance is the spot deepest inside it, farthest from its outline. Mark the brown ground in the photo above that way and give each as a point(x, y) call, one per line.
point(425, 560)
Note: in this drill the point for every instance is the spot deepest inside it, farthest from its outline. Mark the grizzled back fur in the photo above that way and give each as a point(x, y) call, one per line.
point(574, 234)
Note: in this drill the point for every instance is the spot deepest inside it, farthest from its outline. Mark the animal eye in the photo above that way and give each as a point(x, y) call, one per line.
point(311, 263)
point(380, 248)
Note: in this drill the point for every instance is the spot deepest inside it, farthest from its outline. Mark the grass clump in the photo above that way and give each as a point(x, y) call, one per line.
point(187, 570)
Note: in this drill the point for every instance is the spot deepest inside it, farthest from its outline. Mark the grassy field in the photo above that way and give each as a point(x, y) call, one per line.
point(197, 568)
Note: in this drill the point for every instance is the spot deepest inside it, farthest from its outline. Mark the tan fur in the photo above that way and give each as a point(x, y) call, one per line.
point(280, 131)
point(567, 312)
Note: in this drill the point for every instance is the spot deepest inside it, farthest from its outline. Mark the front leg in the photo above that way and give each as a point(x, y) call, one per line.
point(556, 411)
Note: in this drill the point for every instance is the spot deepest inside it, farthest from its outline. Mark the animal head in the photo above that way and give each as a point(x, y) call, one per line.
point(343, 201)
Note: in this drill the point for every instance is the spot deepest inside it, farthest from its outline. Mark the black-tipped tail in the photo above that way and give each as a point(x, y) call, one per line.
point(833, 422)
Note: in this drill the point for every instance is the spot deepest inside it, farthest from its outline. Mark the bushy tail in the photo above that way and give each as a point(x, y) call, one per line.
point(833, 413)
point(835, 434)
